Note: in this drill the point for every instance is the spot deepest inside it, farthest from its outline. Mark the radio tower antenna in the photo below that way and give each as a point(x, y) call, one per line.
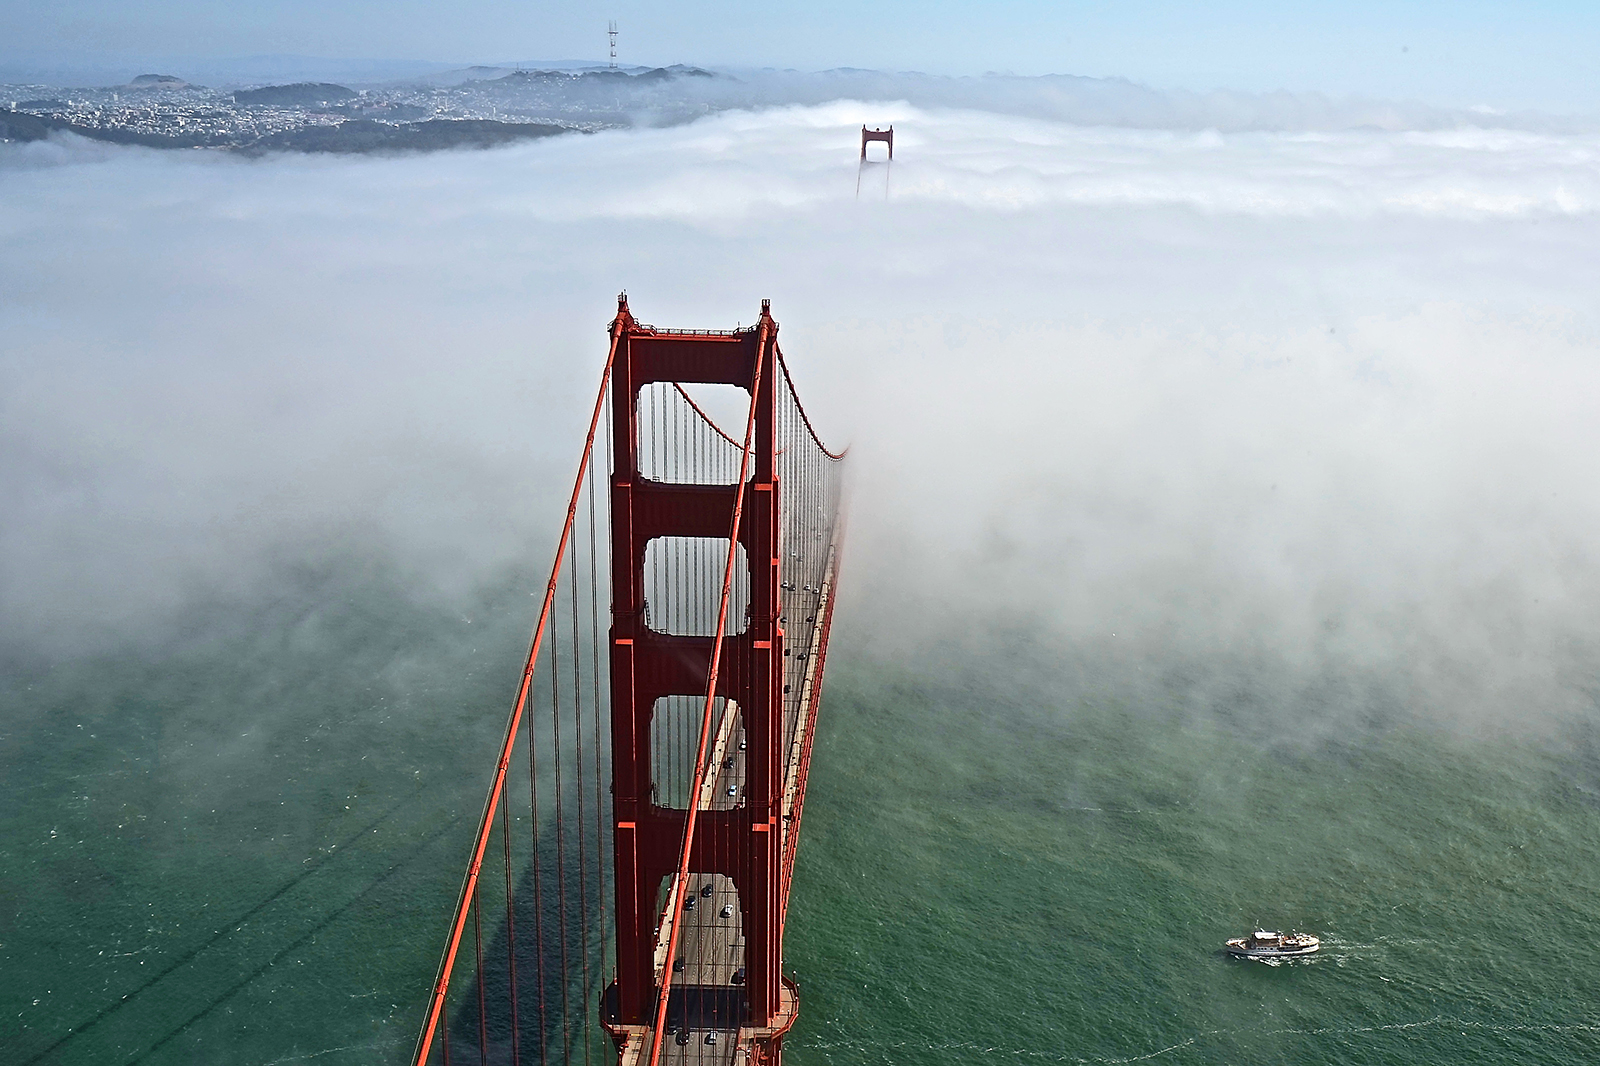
point(612, 30)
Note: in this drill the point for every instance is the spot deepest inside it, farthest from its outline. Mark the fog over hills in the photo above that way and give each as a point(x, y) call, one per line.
point(184, 110)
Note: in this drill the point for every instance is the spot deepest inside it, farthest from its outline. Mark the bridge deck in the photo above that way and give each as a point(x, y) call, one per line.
point(706, 997)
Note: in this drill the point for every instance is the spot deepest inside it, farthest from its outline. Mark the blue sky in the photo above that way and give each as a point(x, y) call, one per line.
point(1531, 54)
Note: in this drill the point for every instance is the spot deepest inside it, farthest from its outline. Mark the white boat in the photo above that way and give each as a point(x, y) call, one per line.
point(1264, 945)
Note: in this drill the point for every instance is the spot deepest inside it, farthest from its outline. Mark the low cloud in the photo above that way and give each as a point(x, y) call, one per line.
point(1323, 398)
point(1085, 101)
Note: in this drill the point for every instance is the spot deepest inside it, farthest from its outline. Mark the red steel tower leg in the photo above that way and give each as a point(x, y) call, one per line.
point(744, 843)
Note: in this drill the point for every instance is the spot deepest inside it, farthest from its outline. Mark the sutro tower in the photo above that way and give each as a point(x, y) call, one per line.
point(612, 30)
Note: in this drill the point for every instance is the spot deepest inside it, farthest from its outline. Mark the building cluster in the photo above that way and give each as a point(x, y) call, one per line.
point(165, 111)
point(188, 117)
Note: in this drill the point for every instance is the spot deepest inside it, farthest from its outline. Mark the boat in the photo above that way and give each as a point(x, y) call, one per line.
point(1264, 945)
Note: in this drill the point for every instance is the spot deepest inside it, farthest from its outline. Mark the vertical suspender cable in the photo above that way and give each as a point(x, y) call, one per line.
point(561, 846)
point(511, 936)
point(583, 866)
point(610, 463)
point(599, 812)
point(538, 881)
point(483, 1010)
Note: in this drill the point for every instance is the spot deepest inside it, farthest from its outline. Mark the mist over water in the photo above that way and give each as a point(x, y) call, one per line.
point(1220, 552)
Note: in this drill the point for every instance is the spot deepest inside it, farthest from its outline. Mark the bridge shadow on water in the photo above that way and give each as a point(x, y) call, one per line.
point(558, 965)
point(562, 990)
point(696, 1007)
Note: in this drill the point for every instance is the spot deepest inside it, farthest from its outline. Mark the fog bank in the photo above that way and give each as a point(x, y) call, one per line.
point(1322, 400)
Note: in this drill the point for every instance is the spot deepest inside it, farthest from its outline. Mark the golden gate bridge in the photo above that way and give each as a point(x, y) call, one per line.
point(626, 891)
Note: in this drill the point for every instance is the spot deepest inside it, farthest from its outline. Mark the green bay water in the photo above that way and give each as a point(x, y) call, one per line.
point(996, 872)
point(241, 845)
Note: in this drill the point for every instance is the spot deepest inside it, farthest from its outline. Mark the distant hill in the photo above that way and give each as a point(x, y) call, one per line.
point(15, 126)
point(300, 94)
point(157, 81)
point(570, 72)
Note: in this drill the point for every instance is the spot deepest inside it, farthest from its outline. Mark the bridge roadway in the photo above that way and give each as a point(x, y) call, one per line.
point(706, 993)
point(706, 998)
